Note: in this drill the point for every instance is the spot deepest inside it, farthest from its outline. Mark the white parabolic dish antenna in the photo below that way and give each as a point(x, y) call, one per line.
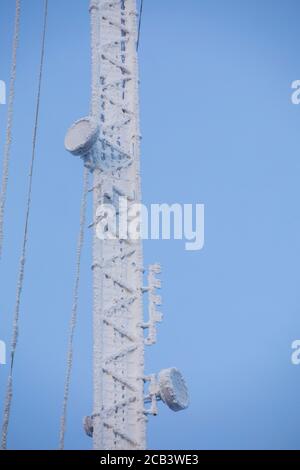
point(173, 390)
point(82, 136)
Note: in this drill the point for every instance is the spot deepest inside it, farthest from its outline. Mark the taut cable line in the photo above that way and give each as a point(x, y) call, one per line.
point(15, 333)
point(140, 25)
point(10, 113)
point(74, 314)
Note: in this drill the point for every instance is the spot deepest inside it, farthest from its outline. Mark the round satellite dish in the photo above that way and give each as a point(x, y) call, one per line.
point(173, 390)
point(82, 136)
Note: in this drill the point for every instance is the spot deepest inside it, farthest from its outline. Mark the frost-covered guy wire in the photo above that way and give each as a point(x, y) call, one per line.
point(10, 112)
point(74, 315)
point(15, 333)
point(140, 24)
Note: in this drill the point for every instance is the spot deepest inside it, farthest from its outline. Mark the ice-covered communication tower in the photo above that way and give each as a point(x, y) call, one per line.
point(109, 143)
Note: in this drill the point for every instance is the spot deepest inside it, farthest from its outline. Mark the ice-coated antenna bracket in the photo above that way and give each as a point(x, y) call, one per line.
point(154, 301)
point(84, 140)
point(168, 386)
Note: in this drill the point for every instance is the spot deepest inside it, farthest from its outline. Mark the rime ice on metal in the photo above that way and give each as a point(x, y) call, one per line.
point(108, 141)
point(119, 421)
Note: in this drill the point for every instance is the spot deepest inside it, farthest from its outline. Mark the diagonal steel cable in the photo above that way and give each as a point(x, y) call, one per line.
point(15, 333)
point(10, 114)
point(74, 315)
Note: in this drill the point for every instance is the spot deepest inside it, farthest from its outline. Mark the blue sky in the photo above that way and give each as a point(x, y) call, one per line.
point(218, 128)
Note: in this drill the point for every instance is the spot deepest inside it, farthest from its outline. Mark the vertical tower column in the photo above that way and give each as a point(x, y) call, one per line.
point(119, 421)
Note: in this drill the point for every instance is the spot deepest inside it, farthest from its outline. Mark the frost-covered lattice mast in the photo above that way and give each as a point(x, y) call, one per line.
point(119, 420)
point(109, 143)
